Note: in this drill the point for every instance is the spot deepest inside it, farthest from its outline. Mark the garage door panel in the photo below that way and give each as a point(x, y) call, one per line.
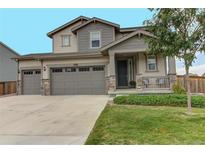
point(59, 91)
point(70, 91)
point(31, 82)
point(84, 91)
point(80, 81)
point(99, 91)
point(59, 78)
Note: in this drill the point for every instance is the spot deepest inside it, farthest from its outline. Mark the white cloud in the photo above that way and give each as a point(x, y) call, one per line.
point(200, 69)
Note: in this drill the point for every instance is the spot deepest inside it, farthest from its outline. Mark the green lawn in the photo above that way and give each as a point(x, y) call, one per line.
point(148, 125)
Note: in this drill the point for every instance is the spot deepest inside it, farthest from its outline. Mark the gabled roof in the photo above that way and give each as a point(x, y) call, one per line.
point(127, 37)
point(14, 52)
point(50, 34)
point(94, 19)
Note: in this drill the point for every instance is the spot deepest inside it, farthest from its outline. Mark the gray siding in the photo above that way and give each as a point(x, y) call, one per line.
point(8, 67)
point(83, 35)
point(134, 43)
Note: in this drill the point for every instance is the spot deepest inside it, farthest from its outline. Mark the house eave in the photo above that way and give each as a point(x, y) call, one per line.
point(132, 29)
point(60, 56)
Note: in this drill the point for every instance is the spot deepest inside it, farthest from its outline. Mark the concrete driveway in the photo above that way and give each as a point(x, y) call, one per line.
point(48, 119)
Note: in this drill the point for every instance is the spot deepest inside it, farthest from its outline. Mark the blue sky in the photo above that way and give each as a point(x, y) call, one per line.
point(25, 30)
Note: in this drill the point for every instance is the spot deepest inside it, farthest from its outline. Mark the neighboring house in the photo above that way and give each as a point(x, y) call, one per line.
point(95, 56)
point(8, 67)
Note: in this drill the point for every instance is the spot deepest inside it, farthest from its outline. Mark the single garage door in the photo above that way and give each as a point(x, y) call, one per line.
point(32, 82)
point(88, 80)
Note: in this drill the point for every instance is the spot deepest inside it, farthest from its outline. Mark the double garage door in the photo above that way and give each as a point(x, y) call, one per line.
point(86, 80)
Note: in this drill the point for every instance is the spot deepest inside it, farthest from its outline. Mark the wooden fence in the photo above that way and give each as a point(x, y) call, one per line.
point(197, 83)
point(7, 87)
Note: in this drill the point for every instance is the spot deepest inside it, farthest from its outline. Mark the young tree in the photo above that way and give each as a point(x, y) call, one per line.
point(179, 33)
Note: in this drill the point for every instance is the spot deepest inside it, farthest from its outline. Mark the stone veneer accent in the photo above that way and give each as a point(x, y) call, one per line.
point(46, 90)
point(19, 87)
point(111, 83)
point(139, 83)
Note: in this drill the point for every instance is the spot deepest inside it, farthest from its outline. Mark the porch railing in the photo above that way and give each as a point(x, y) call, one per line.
point(155, 82)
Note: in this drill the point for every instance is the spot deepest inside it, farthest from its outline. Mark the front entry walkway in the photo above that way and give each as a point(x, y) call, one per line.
point(48, 119)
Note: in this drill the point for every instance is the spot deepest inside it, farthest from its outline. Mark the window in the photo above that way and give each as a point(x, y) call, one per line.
point(37, 72)
point(28, 72)
point(84, 69)
point(95, 39)
point(151, 63)
point(57, 70)
point(98, 68)
point(71, 69)
point(65, 40)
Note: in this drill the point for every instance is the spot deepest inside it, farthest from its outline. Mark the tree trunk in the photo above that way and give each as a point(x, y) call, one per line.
point(188, 91)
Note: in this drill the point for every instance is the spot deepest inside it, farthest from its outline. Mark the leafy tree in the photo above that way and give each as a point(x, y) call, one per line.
point(179, 33)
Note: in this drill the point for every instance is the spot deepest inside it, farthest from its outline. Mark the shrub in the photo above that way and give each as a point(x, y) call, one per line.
point(178, 89)
point(160, 100)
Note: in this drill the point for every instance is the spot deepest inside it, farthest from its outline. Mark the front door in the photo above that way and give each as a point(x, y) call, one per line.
point(122, 73)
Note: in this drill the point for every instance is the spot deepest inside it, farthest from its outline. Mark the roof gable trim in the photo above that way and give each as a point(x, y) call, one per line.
point(51, 33)
point(94, 19)
point(127, 37)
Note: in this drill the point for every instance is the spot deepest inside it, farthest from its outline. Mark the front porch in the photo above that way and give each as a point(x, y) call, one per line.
point(129, 74)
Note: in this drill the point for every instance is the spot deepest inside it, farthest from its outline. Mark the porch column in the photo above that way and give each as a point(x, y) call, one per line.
point(171, 65)
point(172, 70)
point(112, 63)
point(138, 75)
point(111, 79)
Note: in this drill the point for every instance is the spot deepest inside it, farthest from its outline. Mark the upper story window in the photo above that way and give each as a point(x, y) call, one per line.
point(151, 63)
point(95, 39)
point(65, 40)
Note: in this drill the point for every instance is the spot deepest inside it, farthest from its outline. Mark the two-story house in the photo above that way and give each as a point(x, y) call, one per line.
point(95, 56)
